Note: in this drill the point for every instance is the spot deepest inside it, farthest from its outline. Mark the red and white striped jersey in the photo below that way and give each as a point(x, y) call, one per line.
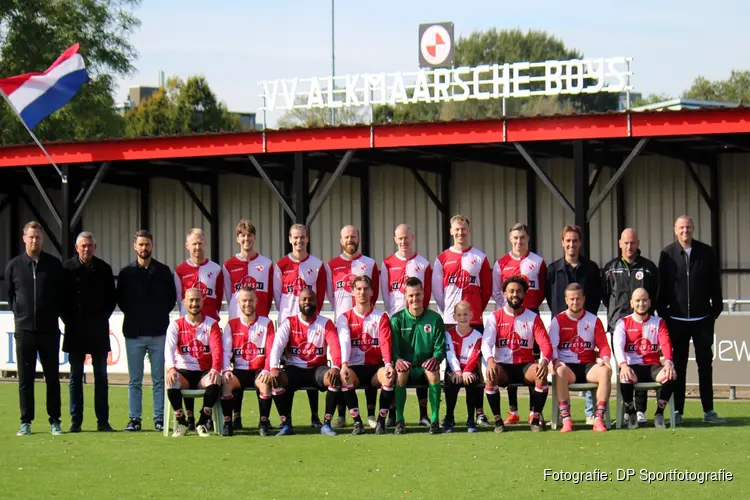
point(531, 266)
point(393, 275)
point(290, 277)
point(510, 339)
point(248, 345)
point(305, 344)
point(462, 351)
point(256, 273)
point(575, 340)
point(341, 271)
point(642, 343)
point(208, 278)
point(195, 347)
point(461, 276)
point(365, 340)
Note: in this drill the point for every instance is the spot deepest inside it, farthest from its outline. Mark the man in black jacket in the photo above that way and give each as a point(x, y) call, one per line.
point(88, 304)
point(146, 295)
point(690, 300)
point(34, 285)
point(574, 268)
point(620, 278)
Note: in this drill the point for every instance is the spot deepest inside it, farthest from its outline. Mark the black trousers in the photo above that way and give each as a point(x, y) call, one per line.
point(101, 386)
point(702, 334)
point(47, 346)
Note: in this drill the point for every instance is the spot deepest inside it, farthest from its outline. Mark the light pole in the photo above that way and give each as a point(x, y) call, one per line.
point(333, 60)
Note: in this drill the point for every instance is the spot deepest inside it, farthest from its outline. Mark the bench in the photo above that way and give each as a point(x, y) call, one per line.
point(587, 386)
point(217, 414)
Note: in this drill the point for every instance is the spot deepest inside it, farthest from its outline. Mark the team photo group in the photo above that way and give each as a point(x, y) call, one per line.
point(654, 311)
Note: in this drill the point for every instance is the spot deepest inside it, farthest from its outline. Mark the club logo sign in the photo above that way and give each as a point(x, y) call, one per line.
point(639, 275)
point(436, 45)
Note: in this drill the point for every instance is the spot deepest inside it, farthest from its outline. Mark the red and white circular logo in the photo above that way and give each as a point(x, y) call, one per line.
point(347, 282)
point(202, 287)
point(427, 328)
point(248, 281)
point(365, 342)
point(639, 275)
point(306, 351)
point(249, 351)
point(514, 341)
point(577, 345)
point(462, 279)
point(435, 45)
point(196, 348)
point(642, 346)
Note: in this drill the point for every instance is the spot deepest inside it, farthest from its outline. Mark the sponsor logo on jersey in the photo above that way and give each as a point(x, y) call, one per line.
point(577, 345)
point(461, 279)
point(195, 348)
point(205, 291)
point(513, 342)
point(250, 282)
point(643, 346)
point(250, 351)
point(639, 275)
point(307, 351)
point(400, 284)
point(346, 283)
point(297, 286)
point(365, 342)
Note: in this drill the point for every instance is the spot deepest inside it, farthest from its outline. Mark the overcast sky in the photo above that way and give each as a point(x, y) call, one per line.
point(236, 43)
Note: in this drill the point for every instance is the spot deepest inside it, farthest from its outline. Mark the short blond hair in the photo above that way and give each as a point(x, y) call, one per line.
point(244, 226)
point(195, 230)
point(300, 227)
point(32, 224)
point(461, 218)
point(519, 226)
point(462, 303)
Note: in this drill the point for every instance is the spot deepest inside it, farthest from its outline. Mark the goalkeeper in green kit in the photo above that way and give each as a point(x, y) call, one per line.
point(418, 347)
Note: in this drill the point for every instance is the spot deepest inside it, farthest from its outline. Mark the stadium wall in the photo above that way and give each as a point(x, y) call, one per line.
point(657, 190)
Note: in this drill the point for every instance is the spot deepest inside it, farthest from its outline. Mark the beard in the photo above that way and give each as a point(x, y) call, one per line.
point(144, 255)
point(351, 248)
point(515, 303)
point(307, 310)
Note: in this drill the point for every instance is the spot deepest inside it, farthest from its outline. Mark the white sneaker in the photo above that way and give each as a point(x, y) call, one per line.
point(180, 431)
point(659, 421)
point(202, 431)
point(372, 421)
point(642, 419)
point(338, 422)
point(590, 420)
point(632, 421)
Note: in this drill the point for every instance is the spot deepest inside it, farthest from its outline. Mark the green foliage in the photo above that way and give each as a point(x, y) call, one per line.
point(734, 89)
point(183, 107)
point(33, 33)
point(320, 117)
point(650, 99)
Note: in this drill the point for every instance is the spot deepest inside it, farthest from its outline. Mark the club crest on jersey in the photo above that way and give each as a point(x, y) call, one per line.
point(461, 279)
point(643, 346)
point(309, 272)
point(307, 351)
point(260, 268)
point(427, 328)
point(639, 275)
point(346, 283)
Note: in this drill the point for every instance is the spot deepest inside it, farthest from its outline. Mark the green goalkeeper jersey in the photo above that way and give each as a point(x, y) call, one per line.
point(417, 339)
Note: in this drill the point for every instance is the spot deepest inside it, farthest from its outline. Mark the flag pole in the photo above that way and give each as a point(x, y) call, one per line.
point(59, 172)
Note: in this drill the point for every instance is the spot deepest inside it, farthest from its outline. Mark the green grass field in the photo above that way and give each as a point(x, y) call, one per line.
point(417, 465)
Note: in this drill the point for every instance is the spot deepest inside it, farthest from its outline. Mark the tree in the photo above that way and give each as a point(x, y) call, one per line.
point(735, 89)
point(33, 33)
point(498, 47)
point(322, 117)
point(650, 99)
point(183, 107)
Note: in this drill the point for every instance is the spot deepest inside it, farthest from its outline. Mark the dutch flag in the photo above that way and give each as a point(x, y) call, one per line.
point(37, 95)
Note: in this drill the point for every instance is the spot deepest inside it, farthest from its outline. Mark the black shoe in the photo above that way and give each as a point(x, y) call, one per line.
point(434, 428)
point(359, 429)
point(315, 422)
point(191, 424)
point(425, 422)
point(227, 430)
point(209, 425)
point(391, 419)
point(499, 426)
point(380, 426)
point(482, 420)
point(263, 429)
point(400, 428)
point(105, 427)
point(237, 423)
point(75, 428)
point(159, 425)
point(537, 425)
point(134, 425)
